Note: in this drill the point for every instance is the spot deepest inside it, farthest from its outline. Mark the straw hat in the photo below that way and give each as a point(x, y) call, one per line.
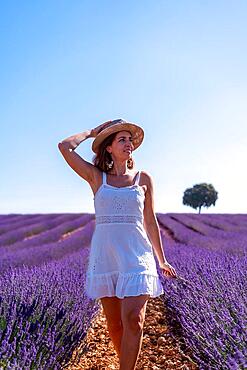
point(116, 126)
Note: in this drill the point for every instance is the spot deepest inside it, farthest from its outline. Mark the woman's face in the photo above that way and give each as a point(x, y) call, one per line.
point(121, 146)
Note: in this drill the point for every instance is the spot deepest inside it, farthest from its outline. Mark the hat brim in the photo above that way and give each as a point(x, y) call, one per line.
point(136, 131)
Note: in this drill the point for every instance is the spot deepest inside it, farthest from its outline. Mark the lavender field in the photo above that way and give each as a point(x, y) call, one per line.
point(45, 314)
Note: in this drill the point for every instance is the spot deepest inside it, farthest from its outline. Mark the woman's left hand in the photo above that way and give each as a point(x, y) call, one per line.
point(168, 270)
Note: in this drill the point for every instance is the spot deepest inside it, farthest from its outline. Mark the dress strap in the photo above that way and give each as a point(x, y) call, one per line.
point(137, 178)
point(104, 178)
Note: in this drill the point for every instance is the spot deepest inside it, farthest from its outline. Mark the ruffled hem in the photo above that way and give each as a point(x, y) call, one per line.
point(117, 284)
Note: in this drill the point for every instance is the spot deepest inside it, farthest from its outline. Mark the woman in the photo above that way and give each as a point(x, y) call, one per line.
point(122, 270)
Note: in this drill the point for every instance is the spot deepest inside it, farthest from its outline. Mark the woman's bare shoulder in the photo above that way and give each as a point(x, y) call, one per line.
point(146, 181)
point(146, 175)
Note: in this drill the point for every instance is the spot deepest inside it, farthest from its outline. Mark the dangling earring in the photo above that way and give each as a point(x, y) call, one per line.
point(109, 164)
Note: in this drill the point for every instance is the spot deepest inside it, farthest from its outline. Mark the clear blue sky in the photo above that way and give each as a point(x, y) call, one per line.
point(177, 68)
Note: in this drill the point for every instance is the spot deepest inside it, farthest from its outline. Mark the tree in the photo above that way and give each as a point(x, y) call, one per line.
point(201, 195)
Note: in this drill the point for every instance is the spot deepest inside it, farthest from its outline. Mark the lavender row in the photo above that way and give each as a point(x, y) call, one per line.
point(234, 243)
point(47, 252)
point(44, 313)
point(22, 222)
point(49, 236)
point(32, 228)
point(221, 222)
point(210, 304)
point(14, 217)
point(207, 228)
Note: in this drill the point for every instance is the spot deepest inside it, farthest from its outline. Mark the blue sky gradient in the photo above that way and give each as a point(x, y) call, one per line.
point(176, 68)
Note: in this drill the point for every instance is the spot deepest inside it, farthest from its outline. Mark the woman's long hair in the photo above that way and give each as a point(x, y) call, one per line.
point(103, 159)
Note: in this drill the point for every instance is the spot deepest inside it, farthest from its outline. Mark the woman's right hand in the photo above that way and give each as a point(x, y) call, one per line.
point(96, 130)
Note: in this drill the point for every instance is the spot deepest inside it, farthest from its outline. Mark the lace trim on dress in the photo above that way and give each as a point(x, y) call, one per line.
point(123, 284)
point(108, 219)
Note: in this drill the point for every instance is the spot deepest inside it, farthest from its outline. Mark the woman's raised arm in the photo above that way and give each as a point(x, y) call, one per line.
point(67, 147)
point(73, 141)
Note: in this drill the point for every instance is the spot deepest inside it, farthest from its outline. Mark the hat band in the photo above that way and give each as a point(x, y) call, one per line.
point(112, 123)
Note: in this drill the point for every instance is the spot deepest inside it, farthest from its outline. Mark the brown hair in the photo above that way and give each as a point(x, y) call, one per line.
point(103, 159)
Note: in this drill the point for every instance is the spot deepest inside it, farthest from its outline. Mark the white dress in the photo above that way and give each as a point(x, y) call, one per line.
point(121, 259)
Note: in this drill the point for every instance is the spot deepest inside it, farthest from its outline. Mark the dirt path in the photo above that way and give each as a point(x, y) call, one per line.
point(161, 346)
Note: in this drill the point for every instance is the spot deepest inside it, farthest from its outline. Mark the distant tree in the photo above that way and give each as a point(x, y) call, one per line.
point(201, 195)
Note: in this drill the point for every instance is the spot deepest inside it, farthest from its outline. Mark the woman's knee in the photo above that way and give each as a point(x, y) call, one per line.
point(134, 321)
point(133, 312)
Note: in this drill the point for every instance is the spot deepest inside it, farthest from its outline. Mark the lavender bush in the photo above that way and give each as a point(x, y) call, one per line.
point(44, 313)
point(209, 299)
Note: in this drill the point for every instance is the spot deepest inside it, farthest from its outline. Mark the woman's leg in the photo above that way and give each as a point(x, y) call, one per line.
point(112, 311)
point(133, 316)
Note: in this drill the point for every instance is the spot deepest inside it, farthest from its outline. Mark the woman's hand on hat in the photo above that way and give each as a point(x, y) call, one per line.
point(96, 130)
